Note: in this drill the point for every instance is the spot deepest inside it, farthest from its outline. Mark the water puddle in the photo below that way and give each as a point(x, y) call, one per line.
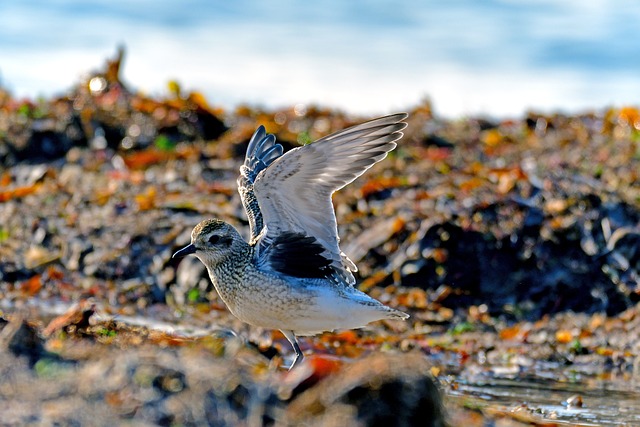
point(603, 403)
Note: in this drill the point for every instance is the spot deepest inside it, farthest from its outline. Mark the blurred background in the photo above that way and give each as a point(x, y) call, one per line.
point(499, 58)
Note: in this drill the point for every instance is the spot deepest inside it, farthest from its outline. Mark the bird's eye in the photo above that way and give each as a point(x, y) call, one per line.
point(214, 239)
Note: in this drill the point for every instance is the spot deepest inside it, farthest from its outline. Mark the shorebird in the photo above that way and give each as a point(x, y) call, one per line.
point(292, 275)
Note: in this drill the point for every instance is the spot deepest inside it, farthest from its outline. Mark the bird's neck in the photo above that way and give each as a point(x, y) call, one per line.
point(228, 274)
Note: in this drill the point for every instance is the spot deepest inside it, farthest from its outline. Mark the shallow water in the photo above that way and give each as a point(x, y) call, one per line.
point(605, 403)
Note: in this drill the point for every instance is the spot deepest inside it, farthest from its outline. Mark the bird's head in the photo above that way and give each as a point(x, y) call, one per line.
point(212, 241)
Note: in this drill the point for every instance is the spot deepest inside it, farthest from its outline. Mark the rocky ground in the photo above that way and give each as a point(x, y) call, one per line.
point(514, 245)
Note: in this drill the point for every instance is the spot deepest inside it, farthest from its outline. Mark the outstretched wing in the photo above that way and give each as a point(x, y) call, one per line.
point(261, 152)
point(294, 191)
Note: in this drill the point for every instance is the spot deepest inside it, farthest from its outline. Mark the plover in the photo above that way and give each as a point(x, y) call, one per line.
point(292, 275)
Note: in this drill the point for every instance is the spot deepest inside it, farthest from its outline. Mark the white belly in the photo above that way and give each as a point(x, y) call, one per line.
point(319, 309)
point(306, 307)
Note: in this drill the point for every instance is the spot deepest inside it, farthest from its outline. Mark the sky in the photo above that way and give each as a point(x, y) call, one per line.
point(468, 57)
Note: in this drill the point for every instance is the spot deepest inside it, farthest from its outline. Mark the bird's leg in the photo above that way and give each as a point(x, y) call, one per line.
point(291, 337)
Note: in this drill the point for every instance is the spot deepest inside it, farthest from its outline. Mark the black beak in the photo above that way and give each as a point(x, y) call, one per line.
point(187, 250)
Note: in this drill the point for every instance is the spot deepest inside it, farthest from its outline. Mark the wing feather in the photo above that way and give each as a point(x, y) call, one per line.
point(294, 190)
point(261, 152)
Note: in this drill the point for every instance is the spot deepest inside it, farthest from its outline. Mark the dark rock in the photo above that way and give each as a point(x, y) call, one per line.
point(44, 146)
point(22, 340)
point(47, 142)
point(107, 136)
point(519, 268)
point(209, 126)
point(10, 272)
point(437, 141)
point(384, 389)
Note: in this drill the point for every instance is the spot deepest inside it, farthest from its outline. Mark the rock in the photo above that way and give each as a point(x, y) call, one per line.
point(75, 252)
point(22, 340)
point(382, 389)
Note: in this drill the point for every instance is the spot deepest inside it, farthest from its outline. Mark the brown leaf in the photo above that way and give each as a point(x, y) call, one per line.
point(18, 192)
point(472, 184)
point(378, 184)
point(143, 159)
point(512, 333)
point(31, 286)
point(146, 200)
point(5, 179)
point(77, 316)
point(564, 336)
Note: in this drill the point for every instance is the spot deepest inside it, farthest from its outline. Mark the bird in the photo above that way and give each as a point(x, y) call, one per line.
point(291, 275)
